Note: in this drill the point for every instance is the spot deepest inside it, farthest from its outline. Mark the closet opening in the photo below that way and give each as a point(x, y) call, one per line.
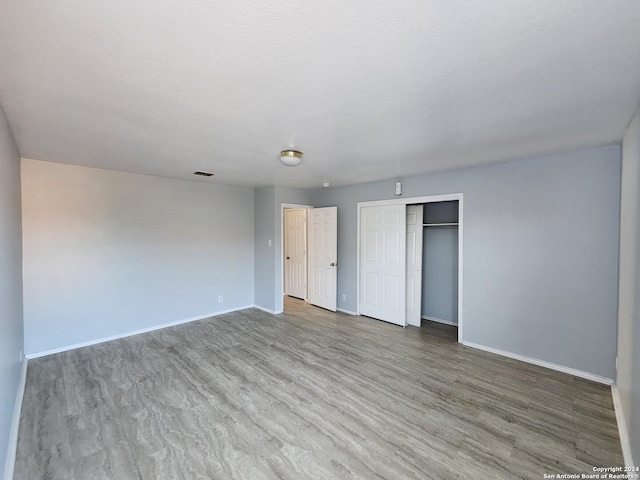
point(432, 267)
point(410, 253)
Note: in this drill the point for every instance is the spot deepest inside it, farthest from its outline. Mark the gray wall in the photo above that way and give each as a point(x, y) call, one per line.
point(265, 225)
point(107, 253)
point(441, 212)
point(540, 253)
point(440, 273)
point(11, 341)
point(628, 379)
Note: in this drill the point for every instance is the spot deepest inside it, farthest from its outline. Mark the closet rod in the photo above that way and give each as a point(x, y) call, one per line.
point(439, 224)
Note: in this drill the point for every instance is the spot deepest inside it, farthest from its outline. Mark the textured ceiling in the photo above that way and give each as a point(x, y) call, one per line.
point(367, 90)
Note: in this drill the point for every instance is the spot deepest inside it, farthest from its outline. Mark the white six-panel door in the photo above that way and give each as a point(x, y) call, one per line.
point(295, 252)
point(323, 257)
point(414, 264)
point(382, 263)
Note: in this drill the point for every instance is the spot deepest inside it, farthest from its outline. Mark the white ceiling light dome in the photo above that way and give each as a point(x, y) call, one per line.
point(291, 158)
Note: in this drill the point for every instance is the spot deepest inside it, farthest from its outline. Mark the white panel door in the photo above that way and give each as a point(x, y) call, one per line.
point(382, 263)
point(295, 252)
point(323, 257)
point(414, 264)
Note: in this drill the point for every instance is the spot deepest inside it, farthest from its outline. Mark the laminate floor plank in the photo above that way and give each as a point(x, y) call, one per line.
point(302, 395)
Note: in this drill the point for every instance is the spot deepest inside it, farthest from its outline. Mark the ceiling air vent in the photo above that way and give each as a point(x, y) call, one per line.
point(204, 174)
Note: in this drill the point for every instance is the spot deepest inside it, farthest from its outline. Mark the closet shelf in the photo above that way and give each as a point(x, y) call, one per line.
point(440, 224)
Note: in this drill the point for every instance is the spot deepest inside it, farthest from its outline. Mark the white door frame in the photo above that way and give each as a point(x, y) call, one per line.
point(413, 200)
point(283, 206)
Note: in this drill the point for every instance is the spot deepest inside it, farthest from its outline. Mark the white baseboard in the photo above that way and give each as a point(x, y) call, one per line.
point(268, 310)
point(134, 332)
point(15, 424)
point(439, 320)
point(542, 363)
point(348, 312)
point(622, 427)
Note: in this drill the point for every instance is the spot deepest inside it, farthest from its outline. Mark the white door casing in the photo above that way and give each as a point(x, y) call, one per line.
point(295, 252)
point(382, 263)
point(323, 257)
point(414, 264)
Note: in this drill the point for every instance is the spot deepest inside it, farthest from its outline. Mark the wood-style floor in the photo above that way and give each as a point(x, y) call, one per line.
point(306, 394)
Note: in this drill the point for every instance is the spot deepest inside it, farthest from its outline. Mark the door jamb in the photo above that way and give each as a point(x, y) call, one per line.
point(410, 201)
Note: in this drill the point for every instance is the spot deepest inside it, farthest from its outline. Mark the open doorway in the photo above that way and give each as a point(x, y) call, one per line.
point(309, 254)
point(432, 268)
point(440, 259)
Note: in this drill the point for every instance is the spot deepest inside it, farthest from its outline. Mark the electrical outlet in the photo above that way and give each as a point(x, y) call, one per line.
point(220, 299)
point(20, 355)
point(269, 241)
point(344, 297)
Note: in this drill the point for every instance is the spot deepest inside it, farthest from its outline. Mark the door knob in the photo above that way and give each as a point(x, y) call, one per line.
point(332, 264)
point(287, 258)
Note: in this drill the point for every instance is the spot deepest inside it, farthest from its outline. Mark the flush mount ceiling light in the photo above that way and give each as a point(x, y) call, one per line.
point(291, 158)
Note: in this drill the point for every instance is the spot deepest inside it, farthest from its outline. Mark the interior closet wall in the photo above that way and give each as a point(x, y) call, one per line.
point(440, 262)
